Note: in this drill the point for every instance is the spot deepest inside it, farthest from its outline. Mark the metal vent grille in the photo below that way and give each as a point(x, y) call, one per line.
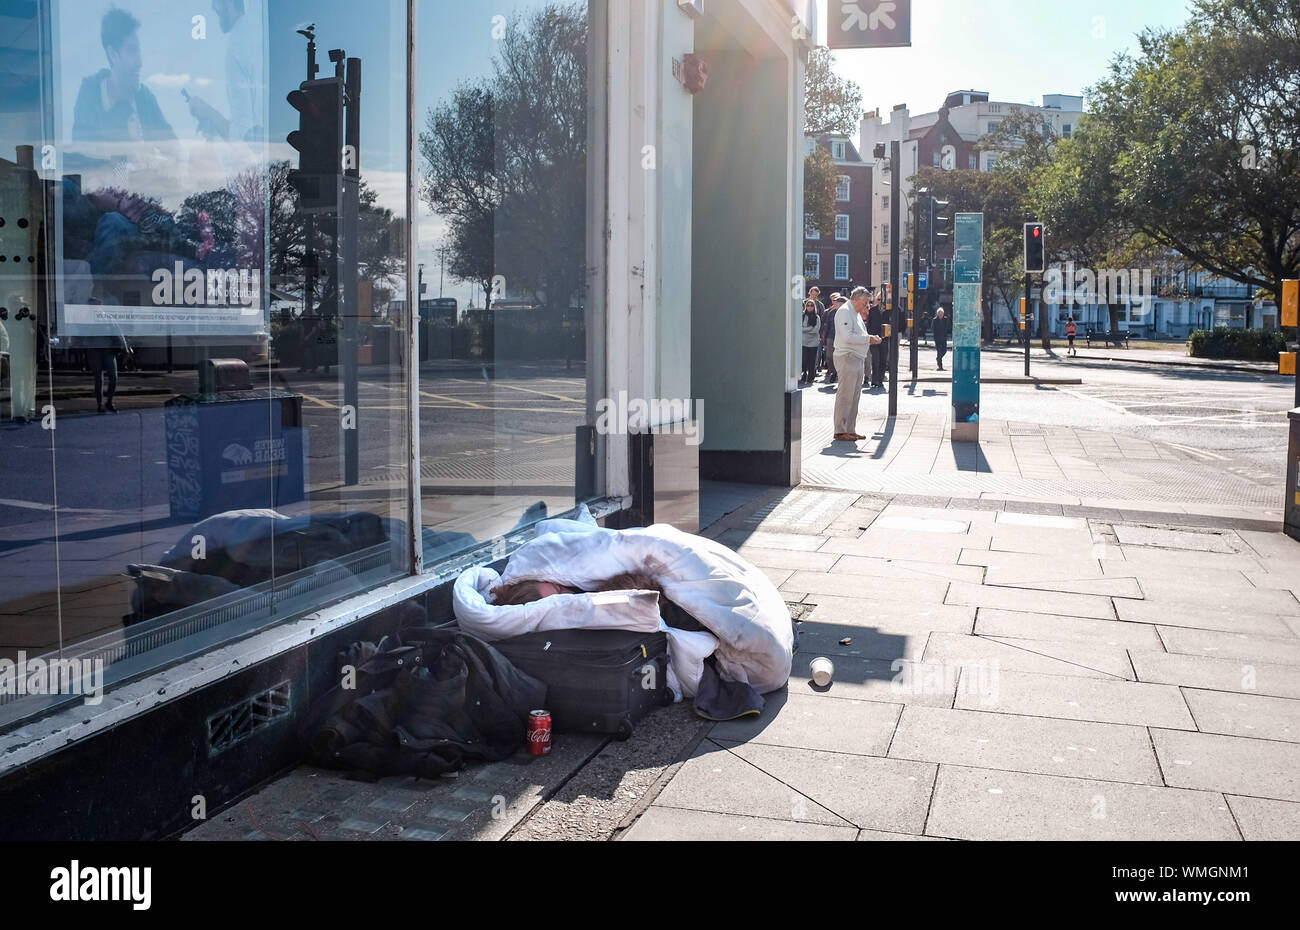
point(238, 723)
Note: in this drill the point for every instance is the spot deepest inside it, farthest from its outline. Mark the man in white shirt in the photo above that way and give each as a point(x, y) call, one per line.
point(852, 356)
point(241, 21)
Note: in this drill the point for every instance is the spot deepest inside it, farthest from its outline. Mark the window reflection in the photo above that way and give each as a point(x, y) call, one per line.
point(203, 373)
point(502, 239)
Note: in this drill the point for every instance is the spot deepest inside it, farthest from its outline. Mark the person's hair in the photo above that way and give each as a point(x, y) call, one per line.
point(859, 293)
point(810, 313)
point(116, 26)
point(520, 592)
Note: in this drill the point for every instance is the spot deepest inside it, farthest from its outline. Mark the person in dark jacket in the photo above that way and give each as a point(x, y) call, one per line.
point(879, 353)
point(940, 329)
point(112, 105)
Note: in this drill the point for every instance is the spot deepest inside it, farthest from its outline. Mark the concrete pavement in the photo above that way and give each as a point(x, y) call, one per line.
point(1003, 674)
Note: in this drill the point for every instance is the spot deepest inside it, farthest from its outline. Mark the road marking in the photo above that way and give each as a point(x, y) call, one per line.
point(1199, 453)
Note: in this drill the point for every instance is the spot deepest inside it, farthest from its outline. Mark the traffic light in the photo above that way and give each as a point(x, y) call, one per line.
point(1035, 245)
point(319, 142)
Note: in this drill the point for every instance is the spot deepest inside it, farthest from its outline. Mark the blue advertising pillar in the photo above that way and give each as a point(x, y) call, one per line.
point(968, 278)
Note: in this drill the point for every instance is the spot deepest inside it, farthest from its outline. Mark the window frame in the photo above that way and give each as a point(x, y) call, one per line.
point(848, 227)
point(845, 275)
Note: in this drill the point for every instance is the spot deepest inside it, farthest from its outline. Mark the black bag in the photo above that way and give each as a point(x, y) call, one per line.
point(597, 681)
point(424, 702)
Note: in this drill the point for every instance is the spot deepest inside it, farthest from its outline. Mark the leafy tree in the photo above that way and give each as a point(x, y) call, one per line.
point(506, 162)
point(458, 146)
point(1205, 123)
point(832, 104)
point(820, 182)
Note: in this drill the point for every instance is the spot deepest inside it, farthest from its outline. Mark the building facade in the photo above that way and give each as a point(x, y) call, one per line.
point(842, 259)
point(242, 451)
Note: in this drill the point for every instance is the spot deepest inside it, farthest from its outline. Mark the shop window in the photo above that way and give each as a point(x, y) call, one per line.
point(207, 377)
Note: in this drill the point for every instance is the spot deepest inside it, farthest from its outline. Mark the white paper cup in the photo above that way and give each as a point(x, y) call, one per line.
point(822, 671)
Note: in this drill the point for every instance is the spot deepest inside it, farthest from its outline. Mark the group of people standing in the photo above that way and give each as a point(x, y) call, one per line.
point(848, 338)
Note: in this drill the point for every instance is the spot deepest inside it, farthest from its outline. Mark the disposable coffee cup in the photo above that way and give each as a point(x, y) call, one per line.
point(822, 671)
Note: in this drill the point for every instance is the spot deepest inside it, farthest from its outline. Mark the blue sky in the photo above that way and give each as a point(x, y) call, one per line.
point(1017, 50)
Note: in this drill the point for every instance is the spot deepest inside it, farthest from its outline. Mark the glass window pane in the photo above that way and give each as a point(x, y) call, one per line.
point(210, 373)
point(505, 386)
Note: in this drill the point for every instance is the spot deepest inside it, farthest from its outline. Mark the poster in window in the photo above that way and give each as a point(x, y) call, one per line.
point(161, 147)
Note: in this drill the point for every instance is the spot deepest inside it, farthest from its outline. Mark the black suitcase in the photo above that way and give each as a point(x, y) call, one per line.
point(598, 681)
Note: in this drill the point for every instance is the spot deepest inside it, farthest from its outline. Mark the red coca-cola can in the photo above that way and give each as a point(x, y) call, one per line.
point(539, 732)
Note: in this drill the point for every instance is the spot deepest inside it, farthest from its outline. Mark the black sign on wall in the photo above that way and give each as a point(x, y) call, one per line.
point(869, 24)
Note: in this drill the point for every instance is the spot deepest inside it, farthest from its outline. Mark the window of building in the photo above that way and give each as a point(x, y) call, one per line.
point(812, 265)
point(994, 124)
point(972, 162)
point(884, 234)
point(841, 267)
point(810, 230)
point(177, 230)
point(1067, 130)
point(884, 202)
point(842, 228)
point(843, 191)
point(838, 150)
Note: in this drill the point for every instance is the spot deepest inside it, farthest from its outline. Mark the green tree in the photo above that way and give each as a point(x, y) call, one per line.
point(820, 181)
point(832, 104)
point(1205, 124)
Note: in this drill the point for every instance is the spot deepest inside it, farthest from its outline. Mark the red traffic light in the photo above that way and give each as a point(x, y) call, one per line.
point(1038, 232)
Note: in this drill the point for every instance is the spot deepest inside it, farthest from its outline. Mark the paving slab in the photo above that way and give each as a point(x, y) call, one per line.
point(1211, 614)
point(934, 548)
point(1199, 671)
point(797, 559)
point(962, 594)
point(899, 568)
point(1225, 645)
point(1256, 715)
point(1212, 598)
point(1024, 655)
point(978, 804)
point(1217, 578)
point(668, 823)
point(1102, 587)
point(1031, 565)
point(1021, 625)
point(908, 590)
point(1265, 820)
point(1174, 562)
point(879, 836)
point(804, 721)
point(1101, 700)
point(1038, 541)
point(1105, 751)
point(897, 681)
point(1232, 764)
point(1163, 538)
point(1040, 521)
point(740, 539)
point(870, 792)
point(718, 780)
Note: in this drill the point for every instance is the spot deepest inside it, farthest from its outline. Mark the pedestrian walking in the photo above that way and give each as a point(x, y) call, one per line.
point(1071, 330)
point(940, 329)
point(828, 337)
point(852, 357)
point(811, 333)
point(102, 359)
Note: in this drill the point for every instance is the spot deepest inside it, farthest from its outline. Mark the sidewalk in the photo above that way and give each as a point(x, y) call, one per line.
point(1140, 356)
point(1008, 675)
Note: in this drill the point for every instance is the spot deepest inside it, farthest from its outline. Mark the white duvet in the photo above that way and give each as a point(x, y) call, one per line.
point(750, 629)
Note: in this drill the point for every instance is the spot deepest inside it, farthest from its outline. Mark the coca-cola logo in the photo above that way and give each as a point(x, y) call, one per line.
point(539, 736)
